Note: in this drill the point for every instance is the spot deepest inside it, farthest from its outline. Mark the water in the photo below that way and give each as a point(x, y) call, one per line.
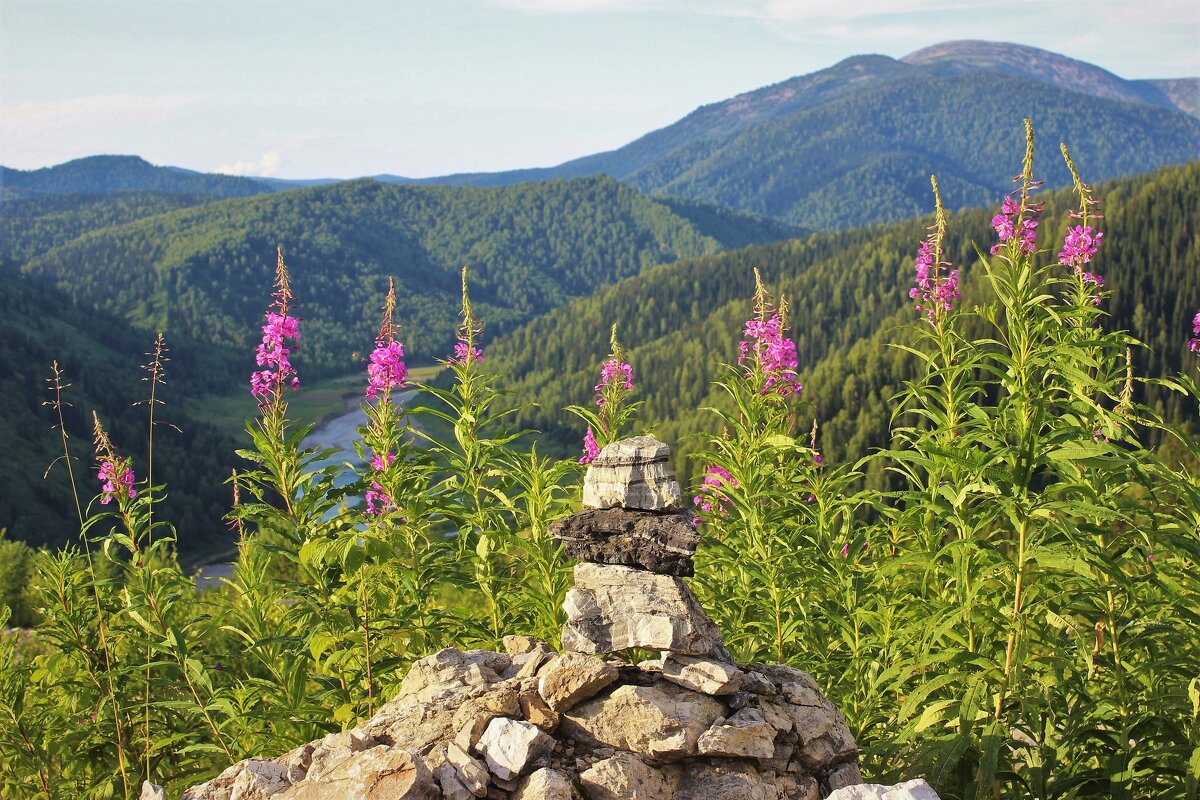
point(339, 435)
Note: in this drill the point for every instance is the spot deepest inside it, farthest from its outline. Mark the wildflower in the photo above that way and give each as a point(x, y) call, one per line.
point(1018, 217)
point(469, 331)
point(117, 480)
point(386, 369)
point(1010, 224)
point(116, 472)
point(378, 501)
point(1194, 344)
point(616, 382)
point(767, 347)
point(1079, 246)
point(380, 463)
point(616, 374)
point(711, 500)
point(590, 448)
point(273, 352)
point(466, 354)
point(934, 290)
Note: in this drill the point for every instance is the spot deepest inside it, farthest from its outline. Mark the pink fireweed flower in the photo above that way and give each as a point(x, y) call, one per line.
point(1079, 245)
point(614, 374)
point(590, 448)
point(1194, 344)
point(386, 370)
point(711, 499)
point(466, 354)
point(273, 351)
point(1009, 225)
point(377, 499)
point(934, 291)
point(117, 480)
point(774, 353)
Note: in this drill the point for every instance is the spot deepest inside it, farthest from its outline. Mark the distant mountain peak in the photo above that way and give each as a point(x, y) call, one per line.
point(1024, 61)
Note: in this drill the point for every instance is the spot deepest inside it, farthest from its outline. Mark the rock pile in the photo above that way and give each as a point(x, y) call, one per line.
point(532, 724)
point(635, 542)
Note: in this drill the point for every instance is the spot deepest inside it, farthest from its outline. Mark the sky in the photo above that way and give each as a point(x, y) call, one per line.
point(305, 89)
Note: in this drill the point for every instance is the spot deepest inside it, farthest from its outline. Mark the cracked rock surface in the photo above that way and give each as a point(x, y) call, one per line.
point(458, 729)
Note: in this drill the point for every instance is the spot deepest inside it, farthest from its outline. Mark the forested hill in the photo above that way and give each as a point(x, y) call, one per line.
point(32, 225)
point(845, 146)
point(96, 174)
point(100, 355)
point(848, 294)
point(206, 271)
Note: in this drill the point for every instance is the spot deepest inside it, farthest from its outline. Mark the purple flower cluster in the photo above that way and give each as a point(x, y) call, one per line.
point(590, 448)
point(378, 501)
point(934, 291)
point(118, 481)
point(1080, 244)
point(1194, 344)
point(273, 354)
point(710, 500)
point(774, 353)
point(386, 369)
point(614, 373)
point(1009, 225)
point(466, 354)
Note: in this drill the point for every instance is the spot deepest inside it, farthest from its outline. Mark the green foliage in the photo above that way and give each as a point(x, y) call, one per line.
point(195, 272)
point(17, 581)
point(100, 355)
point(848, 294)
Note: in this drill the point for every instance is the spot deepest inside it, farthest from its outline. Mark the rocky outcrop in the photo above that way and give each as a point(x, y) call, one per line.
point(465, 725)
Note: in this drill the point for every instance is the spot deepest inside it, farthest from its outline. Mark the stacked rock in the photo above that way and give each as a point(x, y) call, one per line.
point(635, 543)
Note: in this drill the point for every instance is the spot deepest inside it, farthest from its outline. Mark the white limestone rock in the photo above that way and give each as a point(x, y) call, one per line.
point(916, 789)
point(509, 745)
point(612, 608)
point(633, 473)
point(704, 675)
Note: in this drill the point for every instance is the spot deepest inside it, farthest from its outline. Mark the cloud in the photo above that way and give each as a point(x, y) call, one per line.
point(93, 111)
point(265, 167)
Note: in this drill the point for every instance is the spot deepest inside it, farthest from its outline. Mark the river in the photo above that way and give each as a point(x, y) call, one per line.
point(338, 434)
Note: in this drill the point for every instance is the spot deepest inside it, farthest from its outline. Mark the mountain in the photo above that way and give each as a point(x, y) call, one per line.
point(33, 224)
point(1039, 65)
point(99, 355)
point(850, 145)
point(848, 295)
point(96, 174)
point(205, 271)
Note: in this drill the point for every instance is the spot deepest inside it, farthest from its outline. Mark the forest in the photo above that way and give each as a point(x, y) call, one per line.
point(847, 296)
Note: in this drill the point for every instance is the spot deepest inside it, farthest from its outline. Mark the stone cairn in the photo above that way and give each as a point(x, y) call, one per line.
point(532, 724)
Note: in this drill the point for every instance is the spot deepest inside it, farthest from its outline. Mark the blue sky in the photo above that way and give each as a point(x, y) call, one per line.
point(339, 89)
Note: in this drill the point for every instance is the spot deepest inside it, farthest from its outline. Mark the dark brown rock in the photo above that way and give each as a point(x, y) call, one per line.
point(662, 543)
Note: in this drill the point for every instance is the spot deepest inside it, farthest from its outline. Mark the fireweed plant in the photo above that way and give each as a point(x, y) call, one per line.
point(1015, 616)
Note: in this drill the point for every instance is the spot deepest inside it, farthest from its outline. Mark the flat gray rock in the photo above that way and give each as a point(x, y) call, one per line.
point(662, 543)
